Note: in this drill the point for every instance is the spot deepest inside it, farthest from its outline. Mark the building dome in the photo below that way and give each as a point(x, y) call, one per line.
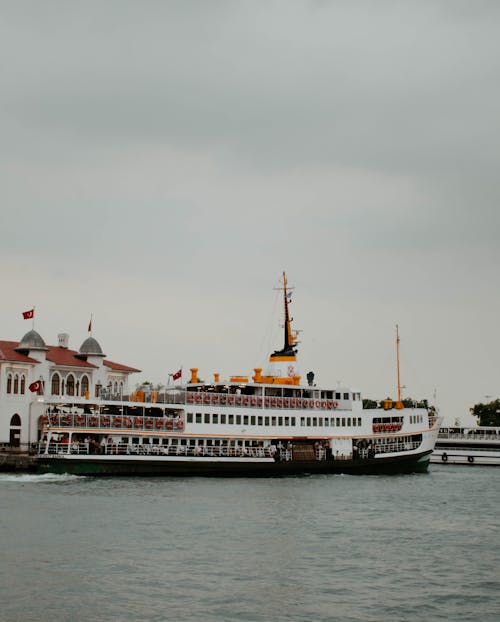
point(31, 341)
point(90, 347)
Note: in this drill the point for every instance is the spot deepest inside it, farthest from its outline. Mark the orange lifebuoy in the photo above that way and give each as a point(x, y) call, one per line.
point(292, 402)
point(259, 401)
point(318, 404)
point(180, 424)
point(149, 423)
point(273, 402)
point(169, 424)
point(253, 401)
point(267, 402)
point(93, 421)
point(159, 424)
point(238, 400)
point(117, 422)
point(223, 399)
point(215, 399)
point(335, 404)
point(279, 402)
point(286, 402)
point(138, 422)
point(190, 398)
point(245, 400)
point(206, 398)
point(198, 398)
point(230, 400)
point(105, 420)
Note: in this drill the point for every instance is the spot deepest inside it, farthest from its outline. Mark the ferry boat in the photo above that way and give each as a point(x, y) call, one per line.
point(470, 446)
point(269, 424)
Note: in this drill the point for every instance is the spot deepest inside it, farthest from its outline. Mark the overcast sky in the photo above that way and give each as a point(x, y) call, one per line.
point(161, 163)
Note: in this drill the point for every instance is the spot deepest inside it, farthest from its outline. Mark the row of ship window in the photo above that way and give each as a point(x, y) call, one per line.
point(224, 419)
point(416, 418)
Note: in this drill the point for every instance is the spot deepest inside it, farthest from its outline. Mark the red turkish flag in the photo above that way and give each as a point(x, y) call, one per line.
point(35, 387)
point(177, 375)
point(28, 315)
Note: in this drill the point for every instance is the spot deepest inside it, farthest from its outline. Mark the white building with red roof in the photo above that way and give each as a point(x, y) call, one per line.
point(54, 372)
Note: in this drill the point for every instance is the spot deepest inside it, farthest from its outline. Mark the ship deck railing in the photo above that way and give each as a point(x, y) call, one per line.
point(233, 400)
point(472, 436)
point(112, 422)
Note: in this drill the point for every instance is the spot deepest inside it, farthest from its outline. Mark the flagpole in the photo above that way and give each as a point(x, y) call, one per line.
point(33, 319)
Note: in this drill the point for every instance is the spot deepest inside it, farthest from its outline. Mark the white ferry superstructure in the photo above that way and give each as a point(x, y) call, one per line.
point(471, 446)
point(269, 424)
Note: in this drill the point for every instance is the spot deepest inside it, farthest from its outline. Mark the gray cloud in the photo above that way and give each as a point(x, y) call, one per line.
point(180, 155)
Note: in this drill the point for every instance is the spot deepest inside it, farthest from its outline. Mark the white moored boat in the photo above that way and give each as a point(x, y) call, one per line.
point(473, 446)
point(269, 424)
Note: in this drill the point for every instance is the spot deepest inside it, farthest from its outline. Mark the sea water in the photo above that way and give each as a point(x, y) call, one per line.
point(312, 548)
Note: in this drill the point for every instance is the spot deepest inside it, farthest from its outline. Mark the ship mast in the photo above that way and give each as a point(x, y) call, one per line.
point(399, 403)
point(289, 337)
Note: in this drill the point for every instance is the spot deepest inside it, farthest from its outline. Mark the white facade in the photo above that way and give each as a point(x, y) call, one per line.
point(69, 375)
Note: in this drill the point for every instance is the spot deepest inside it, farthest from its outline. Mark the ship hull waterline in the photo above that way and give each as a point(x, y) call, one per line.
point(99, 466)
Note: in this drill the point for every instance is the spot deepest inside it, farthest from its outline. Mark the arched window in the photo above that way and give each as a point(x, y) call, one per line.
point(9, 383)
point(121, 388)
point(16, 383)
point(56, 384)
point(84, 385)
point(23, 383)
point(115, 388)
point(70, 385)
point(98, 389)
point(15, 420)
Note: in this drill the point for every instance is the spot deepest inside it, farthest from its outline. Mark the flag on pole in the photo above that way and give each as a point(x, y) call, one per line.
point(177, 375)
point(29, 315)
point(35, 387)
point(90, 325)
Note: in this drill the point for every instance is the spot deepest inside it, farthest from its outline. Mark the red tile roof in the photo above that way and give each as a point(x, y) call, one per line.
point(8, 353)
point(56, 355)
point(119, 366)
point(65, 356)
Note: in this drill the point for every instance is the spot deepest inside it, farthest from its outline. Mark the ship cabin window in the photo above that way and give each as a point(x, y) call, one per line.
point(198, 417)
point(343, 421)
point(230, 419)
point(280, 420)
point(156, 441)
point(359, 420)
point(266, 420)
point(164, 441)
point(215, 418)
point(175, 441)
point(348, 421)
point(9, 383)
point(338, 396)
point(16, 383)
point(346, 396)
point(338, 421)
point(259, 420)
point(245, 419)
point(287, 420)
point(207, 418)
point(223, 419)
point(320, 422)
point(23, 383)
point(252, 420)
point(238, 419)
point(314, 421)
point(273, 420)
point(192, 442)
point(302, 421)
point(308, 421)
point(293, 421)
point(183, 441)
point(190, 417)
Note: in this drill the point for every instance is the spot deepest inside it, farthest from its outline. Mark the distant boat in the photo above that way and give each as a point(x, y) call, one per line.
point(269, 424)
point(471, 446)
